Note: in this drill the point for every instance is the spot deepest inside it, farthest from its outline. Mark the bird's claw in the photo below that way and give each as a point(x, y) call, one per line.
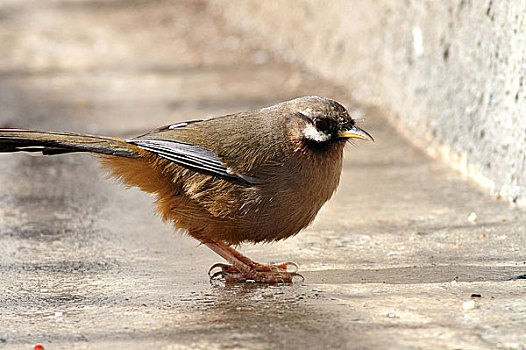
point(289, 264)
point(221, 266)
point(263, 273)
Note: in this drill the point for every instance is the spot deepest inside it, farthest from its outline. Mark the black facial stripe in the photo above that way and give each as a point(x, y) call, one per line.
point(349, 124)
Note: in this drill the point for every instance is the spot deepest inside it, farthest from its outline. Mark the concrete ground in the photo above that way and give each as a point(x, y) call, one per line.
point(392, 261)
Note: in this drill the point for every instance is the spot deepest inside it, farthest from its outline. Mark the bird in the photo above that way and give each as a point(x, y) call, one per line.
point(248, 177)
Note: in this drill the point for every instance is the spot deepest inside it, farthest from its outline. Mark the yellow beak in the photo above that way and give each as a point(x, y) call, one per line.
point(355, 132)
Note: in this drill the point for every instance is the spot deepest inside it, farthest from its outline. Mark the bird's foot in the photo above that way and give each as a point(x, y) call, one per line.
point(244, 269)
point(257, 273)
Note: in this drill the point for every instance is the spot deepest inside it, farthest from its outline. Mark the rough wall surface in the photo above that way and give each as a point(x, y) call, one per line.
point(451, 73)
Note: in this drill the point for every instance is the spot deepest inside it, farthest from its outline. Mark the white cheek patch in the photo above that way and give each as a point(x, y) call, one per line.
point(314, 134)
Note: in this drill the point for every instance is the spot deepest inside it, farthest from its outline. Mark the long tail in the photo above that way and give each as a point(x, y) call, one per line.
point(18, 140)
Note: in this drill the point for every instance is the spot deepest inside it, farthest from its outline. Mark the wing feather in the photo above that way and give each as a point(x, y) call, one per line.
point(192, 156)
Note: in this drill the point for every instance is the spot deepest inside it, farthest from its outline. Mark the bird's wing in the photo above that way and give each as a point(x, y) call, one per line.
point(195, 157)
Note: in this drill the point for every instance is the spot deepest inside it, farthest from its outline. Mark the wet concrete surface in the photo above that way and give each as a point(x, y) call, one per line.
point(389, 261)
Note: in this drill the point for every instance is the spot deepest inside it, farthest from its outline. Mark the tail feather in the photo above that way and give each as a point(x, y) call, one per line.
point(18, 140)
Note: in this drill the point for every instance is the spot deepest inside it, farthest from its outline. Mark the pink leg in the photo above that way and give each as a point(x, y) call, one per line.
point(244, 269)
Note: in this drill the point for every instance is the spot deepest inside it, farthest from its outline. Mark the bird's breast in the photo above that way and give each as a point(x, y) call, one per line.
point(291, 198)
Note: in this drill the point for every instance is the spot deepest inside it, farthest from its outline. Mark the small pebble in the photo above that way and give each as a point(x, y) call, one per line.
point(468, 305)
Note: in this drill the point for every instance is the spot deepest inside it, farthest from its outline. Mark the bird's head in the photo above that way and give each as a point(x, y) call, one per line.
point(319, 122)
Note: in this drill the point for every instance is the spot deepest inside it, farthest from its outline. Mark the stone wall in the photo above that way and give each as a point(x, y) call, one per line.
point(451, 74)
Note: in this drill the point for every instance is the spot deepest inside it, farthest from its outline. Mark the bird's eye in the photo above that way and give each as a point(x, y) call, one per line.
point(322, 124)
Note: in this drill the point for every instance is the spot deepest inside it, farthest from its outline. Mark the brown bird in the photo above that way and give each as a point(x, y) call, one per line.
point(258, 176)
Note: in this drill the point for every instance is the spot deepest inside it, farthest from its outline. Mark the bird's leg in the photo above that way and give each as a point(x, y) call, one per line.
point(255, 265)
point(243, 269)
